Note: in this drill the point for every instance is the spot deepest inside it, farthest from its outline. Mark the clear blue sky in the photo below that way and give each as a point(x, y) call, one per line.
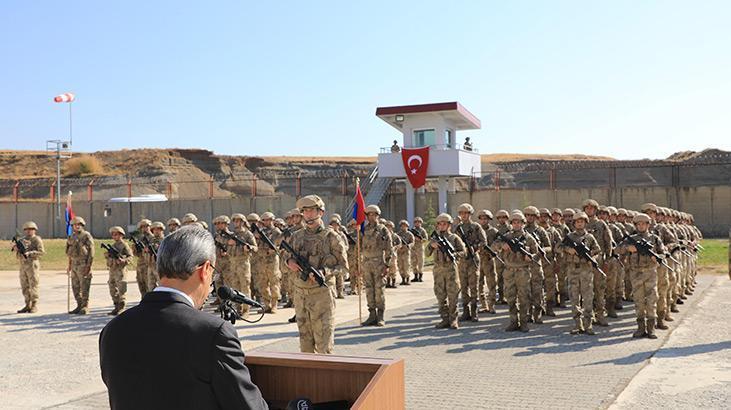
point(629, 79)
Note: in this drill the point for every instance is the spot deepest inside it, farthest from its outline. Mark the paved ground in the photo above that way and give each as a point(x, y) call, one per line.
point(478, 366)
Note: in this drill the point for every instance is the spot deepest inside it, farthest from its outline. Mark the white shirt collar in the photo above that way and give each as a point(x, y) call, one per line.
point(173, 290)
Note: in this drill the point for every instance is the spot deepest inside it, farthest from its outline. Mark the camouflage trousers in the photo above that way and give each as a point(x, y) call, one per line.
point(315, 319)
point(468, 275)
point(355, 280)
point(268, 280)
point(581, 286)
point(517, 292)
point(238, 276)
point(392, 267)
point(417, 257)
point(153, 279)
point(615, 273)
point(644, 291)
point(446, 289)
point(80, 283)
point(600, 290)
point(663, 286)
point(404, 264)
point(562, 279)
point(627, 281)
point(499, 268)
point(537, 297)
point(29, 280)
point(372, 270)
point(551, 282)
point(672, 292)
point(117, 286)
point(141, 271)
point(487, 283)
point(284, 288)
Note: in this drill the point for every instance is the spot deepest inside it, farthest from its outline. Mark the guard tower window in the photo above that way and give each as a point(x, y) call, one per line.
point(449, 138)
point(424, 138)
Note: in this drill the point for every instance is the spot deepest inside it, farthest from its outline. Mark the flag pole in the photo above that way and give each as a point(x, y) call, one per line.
point(359, 277)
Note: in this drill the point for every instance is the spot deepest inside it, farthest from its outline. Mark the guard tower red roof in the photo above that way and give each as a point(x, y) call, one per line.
point(454, 111)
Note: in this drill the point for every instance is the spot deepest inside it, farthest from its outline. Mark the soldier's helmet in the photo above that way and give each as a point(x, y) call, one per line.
point(78, 220)
point(373, 209)
point(544, 211)
point(485, 212)
point(444, 217)
point(203, 224)
point(403, 222)
point(267, 215)
point(640, 217)
point(238, 216)
point(603, 208)
point(253, 217)
point(568, 212)
point(294, 212)
point(612, 210)
point(530, 210)
point(189, 218)
point(517, 216)
point(389, 224)
point(418, 219)
point(648, 207)
point(502, 213)
point(581, 215)
point(336, 215)
point(557, 211)
point(621, 211)
point(223, 219)
point(466, 208)
point(30, 225)
point(157, 224)
point(310, 201)
point(590, 202)
point(117, 229)
point(173, 221)
point(334, 220)
point(143, 222)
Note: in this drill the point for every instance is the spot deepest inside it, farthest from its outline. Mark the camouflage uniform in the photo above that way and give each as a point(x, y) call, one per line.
point(581, 280)
point(560, 267)
point(551, 270)
point(143, 261)
point(446, 279)
point(341, 274)
point(376, 253)
point(502, 228)
point(353, 265)
point(29, 266)
point(80, 250)
point(392, 264)
point(153, 278)
point(269, 277)
point(469, 267)
point(487, 284)
point(537, 296)
point(663, 274)
point(403, 253)
point(239, 274)
point(117, 269)
point(417, 254)
point(603, 236)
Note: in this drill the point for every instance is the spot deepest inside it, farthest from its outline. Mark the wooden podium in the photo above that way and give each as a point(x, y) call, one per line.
point(365, 383)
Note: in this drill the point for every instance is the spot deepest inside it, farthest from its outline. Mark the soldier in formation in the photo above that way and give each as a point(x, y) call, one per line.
point(80, 251)
point(28, 250)
point(118, 257)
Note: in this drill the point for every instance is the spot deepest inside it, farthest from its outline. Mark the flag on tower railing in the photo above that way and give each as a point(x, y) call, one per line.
point(359, 208)
point(69, 215)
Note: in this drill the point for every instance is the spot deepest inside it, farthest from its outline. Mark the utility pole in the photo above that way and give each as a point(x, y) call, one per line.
point(61, 149)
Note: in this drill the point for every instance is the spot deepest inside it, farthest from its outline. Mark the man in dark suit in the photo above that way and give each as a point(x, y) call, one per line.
point(167, 354)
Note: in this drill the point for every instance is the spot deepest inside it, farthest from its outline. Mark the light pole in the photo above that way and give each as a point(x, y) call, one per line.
point(61, 149)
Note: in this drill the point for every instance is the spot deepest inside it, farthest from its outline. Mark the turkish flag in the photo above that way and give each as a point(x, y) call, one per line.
point(416, 161)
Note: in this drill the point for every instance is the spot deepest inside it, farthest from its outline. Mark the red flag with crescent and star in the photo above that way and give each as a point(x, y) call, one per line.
point(416, 161)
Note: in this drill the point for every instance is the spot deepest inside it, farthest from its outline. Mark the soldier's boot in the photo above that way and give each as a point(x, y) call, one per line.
point(601, 320)
point(668, 318)
point(537, 313)
point(453, 324)
point(443, 324)
point(651, 323)
point(618, 304)
point(530, 315)
point(372, 318)
point(578, 327)
point(403, 281)
point(25, 309)
point(379, 318)
point(611, 312)
point(408, 280)
point(293, 319)
point(674, 308)
point(340, 294)
point(640, 332)
point(513, 326)
point(586, 323)
point(466, 315)
point(76, 310)
point(289, 303)
point(473, 311)
point(524, 326)
point(660, 323)
point(683, 297)
point(421, 276)
point(84, 310)
point(549, 309)
point(689, 290)
point(491, 308)
point(33, 307)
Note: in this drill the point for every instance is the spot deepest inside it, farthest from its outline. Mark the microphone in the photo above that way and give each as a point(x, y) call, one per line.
point(224, 292)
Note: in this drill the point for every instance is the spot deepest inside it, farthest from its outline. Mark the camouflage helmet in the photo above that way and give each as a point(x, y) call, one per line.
point(30, 225)
point(640, 217)
point(189, 218)
point(557, 211)
point(466, 208)
point(648, 207)
point(157, 224)
point(444, 217)
point(373, 209)
point(517, 216)
point(603, 209)
point(294, 212)
point(530, 210)
point(589, 202)
point(544, 211)
point(389, 224)
point(173, 221)
point(279, 221)
point(568, 212)
point(502, 213)
point(310, 201)
point(418, 219)
point(484, 212)
point(143, 222)
point(581, 215)
point(117, 229)
point(612, 210)
point(253, 217)
point(78, 220)
point(238, 216)
point(267, 215)
point(203, 224)
point(334, 220)
point(224, 219)
point(337, 215)
point(621, 211)
point(403, 222)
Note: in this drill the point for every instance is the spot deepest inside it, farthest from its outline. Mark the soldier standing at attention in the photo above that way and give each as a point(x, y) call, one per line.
point(403, 252)
point(392, 265)
point(643, 272)
point(376, 253)
point(340, 276)
point(143, 261)
point(581, 275)
point(517, 271)
point(80, 250)
point(551, 270)
point(561, 279)
point(158, 234)
point(223, 260)
point(487, 282)
point(469, 266)
point(189, 219)
point(417, 252)
point(537, 296)
point(239, 274)
point(503, 227)
point(314, 304)
point(117, 268)
point(446, 276)
point(669, 241)
point(295, 223)
point(603, 236)
point(29, 266)
point(355, 278)
point(618, 233)
point(614, 268)
point(173, 225)
point(269, 276)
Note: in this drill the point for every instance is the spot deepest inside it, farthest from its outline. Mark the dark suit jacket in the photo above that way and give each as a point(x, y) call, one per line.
point(165, 354)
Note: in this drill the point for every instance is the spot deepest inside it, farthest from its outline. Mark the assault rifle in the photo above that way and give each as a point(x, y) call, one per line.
point(646, 248)
point(230, 236)
point(540, 247)
point(255, 228)
point(113, 252)
point(150, 248)
point(304, 264)
point(470, 250)
point(139, 247)
point(444, 246)
point(584, 252)
point(493, 254)
point(517, 245)
point(20, 246)
point(351, 240)
point(416, 233)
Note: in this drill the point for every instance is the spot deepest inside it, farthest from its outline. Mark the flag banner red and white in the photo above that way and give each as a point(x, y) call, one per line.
point(64, 98)
point(416, 161)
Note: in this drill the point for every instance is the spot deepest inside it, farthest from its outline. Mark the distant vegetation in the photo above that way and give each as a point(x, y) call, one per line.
point(82, 166)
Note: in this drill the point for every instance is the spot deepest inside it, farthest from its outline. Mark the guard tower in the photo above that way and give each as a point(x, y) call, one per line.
point(434, 126)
